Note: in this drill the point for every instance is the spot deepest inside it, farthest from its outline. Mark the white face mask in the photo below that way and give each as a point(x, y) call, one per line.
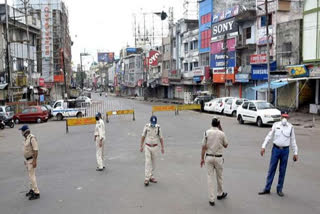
point(284, 121)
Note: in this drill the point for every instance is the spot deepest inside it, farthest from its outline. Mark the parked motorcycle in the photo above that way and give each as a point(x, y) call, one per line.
point(6, 122)
point(2, 124)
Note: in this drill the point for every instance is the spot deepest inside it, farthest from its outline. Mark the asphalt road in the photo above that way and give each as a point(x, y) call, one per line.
point(69, 183)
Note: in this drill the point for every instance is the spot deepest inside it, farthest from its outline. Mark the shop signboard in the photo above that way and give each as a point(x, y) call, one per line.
point(298, 71)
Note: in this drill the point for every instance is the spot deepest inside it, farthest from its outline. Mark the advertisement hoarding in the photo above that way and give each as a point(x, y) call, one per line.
point(224, 27)
point(106, 57)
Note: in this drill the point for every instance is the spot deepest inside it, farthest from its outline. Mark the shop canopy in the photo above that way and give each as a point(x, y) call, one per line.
point(3, 86)
point(273, 85)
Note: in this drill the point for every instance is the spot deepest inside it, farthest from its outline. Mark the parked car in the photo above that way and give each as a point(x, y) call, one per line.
point(67, 108)
point(49, 108)
point(232, 105)
point(84, 99)
point(209, 106)
point(202, 100)
point(32, 114)
point(220, 104)
point(259, 112)
point(6, 111)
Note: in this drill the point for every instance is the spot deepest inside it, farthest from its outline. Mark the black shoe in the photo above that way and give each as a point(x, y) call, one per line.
point(99, 170)
point(264, 192)
point(211, 203)
point(224, 195)
point(146, 183)
point(29, 193)
point(34, 196)
point(280, 193)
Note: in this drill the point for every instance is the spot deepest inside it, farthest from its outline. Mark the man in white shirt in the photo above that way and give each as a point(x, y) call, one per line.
point(99, 138)
point(283, 136)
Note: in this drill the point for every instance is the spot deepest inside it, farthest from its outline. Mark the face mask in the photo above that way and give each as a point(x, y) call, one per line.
point(284, 121)
point(97, 118)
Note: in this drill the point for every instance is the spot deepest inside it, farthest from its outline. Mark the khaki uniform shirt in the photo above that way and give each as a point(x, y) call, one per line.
point(100, 130)
point(30, 145)
point(215, 140)
point(152, 134)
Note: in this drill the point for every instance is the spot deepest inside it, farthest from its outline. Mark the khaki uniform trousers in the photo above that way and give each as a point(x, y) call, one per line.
point(32, 176)
point(150, 162)
point(214, 164)
point(100, 154)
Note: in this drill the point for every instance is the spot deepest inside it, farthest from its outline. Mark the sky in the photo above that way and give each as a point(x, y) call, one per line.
point(107, 25)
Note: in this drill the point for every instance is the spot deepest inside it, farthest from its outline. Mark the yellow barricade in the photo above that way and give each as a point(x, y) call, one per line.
point(189, 107)
point(163, 108)
point(120, 112)
point(79, 122)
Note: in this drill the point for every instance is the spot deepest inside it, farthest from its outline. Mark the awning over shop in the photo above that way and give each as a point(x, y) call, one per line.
point(273, 85)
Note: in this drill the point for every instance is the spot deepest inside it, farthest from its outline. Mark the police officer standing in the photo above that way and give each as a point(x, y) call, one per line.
point(99, 138)
point(213, 142)
point(30, 149)
point(152, 135)
point(283, 136)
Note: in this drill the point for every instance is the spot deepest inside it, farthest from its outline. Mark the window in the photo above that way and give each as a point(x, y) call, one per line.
point(185, 47)
point(245, 105)
point(264, 20)
point(196, 64)
point(287, 49)
point(185, 67)
point(252, 107)
point(248, 33)
point(57, 105)
point(44, 108)
point(205, 39)
point(1, 110)
point(239, 102)
point(34, 110)
point(26, 111)
point(191, 66)
point(191, 46)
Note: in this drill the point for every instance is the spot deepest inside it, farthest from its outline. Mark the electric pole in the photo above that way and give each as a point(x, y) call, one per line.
point(268, 50)
point(25, 3)
point(9, 79)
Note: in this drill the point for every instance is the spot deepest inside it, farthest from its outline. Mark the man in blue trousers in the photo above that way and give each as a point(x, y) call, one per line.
point(283, 136)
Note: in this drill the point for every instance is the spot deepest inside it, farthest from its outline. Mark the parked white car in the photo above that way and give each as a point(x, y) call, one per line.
point(259, 112)
point(220, 105)
point(232, 105)
point(209, 106)
point(85, 99)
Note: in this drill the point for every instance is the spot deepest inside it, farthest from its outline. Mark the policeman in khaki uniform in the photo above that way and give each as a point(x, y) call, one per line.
point(99, 138)
point(152, 135)
point(30, 149)
point(282, 134)
point(213, 142)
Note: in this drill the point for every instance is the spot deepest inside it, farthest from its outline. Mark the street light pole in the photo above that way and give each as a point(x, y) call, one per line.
point(268, 51)
point(225, 44)
point(81, 72)
point(8, 54)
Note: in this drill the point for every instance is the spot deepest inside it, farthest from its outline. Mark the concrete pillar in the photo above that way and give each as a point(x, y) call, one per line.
point(317, 91)
point(276, 97)
point(297, 94)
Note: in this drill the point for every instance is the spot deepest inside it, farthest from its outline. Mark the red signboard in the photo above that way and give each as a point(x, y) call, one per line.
point(153, 58)
point(258, 59)
point(41, 82)
point(58, 78)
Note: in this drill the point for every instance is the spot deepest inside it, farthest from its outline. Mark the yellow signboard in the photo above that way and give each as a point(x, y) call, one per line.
point(189, 107)
point(163, 108)
point(81, 121)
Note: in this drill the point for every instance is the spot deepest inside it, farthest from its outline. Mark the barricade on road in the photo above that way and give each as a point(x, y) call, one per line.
point(188, 107)
point(164, 108)
point(79, 122)
point(120, 112)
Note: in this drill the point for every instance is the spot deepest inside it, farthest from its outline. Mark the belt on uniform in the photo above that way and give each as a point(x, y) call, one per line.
point(280, 147)
point(211, 155)
point(151, 145)
point(29, 158)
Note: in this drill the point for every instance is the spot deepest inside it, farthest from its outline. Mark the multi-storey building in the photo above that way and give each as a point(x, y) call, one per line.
point(55, 43)
point(24, 69)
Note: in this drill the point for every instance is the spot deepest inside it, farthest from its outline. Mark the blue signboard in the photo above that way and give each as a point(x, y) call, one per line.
point(131, 50)
point(260, 71)
point(218, 61)
point(197, 79)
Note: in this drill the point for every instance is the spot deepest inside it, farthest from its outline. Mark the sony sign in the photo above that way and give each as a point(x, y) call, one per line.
point(224, 27)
